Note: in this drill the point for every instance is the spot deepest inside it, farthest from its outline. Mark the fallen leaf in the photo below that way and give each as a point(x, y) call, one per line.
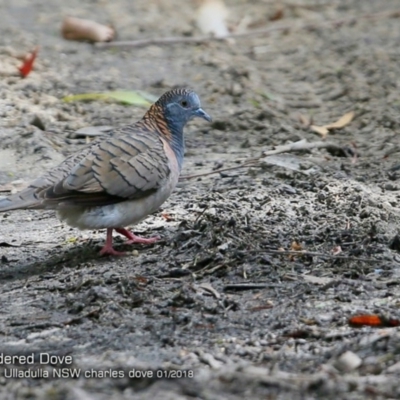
point(322, 130)
point(340, 123)
point(141, 279)
point(211, 17)
point(27, 64)
point(296, 246)
point(277, 15)
point(125, 97)
point(84, 29)
point(373, 320)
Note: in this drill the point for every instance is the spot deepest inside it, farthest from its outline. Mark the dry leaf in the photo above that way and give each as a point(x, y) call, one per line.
point(340, 123)
point(277, 15)
point(296, 246)
point(27, 65)
point(84, 29)
point(211, 17)
point(322, 130)
point(373, 320)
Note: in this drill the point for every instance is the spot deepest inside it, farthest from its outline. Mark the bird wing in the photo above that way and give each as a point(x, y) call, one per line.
point(126, 166)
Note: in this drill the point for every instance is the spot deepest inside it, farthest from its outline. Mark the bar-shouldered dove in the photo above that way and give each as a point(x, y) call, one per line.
point(118, 180)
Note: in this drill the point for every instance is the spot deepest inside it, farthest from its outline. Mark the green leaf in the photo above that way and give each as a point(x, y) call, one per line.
point(137, 98)
point(255, 103)
point(268, 95)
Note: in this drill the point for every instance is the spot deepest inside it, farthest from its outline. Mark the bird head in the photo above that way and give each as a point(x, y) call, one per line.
point(180, 106)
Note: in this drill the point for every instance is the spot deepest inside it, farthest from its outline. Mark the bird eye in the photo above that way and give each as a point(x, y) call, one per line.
point(184, 103)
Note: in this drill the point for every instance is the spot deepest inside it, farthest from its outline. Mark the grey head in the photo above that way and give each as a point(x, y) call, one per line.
point(180, 106)
point(171, 112)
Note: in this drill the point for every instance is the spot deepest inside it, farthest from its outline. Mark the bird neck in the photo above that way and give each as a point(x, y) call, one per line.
point(170, 129)
point(177, 143)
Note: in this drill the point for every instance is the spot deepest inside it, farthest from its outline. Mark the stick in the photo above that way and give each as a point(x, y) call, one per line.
point(301, 145)
point(312, 254)
point(241, 35)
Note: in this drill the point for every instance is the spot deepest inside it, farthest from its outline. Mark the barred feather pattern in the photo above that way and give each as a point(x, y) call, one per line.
point(130, 163)
point(118, 180)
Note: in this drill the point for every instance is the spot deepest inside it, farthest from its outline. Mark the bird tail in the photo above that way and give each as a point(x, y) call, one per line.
point(25, 199)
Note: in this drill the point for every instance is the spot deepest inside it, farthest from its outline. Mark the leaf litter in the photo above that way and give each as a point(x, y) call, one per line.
point(340, 123)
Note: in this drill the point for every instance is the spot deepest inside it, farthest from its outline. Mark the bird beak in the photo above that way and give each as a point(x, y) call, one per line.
point(202, 114)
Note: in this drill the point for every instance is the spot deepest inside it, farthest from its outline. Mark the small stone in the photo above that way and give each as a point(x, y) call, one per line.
point(348, 361)
point(236, 89)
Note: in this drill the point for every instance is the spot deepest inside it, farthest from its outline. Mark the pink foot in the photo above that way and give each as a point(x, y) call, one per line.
point(108, 249)
point(136, 239)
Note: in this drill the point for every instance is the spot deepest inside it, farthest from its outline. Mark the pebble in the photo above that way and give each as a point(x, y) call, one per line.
point(348, 361)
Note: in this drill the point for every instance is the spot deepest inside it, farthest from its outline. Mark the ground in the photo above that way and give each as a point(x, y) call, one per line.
point(213, 304)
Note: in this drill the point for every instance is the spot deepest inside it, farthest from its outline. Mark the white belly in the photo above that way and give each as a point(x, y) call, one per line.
point(118, 215)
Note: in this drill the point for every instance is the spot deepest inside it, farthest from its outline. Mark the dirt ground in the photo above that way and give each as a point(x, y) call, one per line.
point(211, 311)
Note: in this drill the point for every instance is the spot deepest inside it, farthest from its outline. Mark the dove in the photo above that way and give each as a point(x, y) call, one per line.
point(119, 180)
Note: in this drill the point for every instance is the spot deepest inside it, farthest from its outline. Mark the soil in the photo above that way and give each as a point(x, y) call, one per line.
point(213, 310)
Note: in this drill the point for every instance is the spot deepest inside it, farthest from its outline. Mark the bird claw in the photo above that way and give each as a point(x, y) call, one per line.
point(109, 251)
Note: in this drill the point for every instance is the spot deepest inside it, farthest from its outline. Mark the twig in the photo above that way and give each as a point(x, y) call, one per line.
point(301, 145)
point(312, 254)
point(247, 286)
point(241, 35)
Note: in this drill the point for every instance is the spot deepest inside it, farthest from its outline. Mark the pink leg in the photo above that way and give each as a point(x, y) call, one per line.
point(108, 248)
point(135, 239)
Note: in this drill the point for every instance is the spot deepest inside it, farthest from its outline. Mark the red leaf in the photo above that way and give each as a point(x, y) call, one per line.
point(27, 65)
point(372, 320)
